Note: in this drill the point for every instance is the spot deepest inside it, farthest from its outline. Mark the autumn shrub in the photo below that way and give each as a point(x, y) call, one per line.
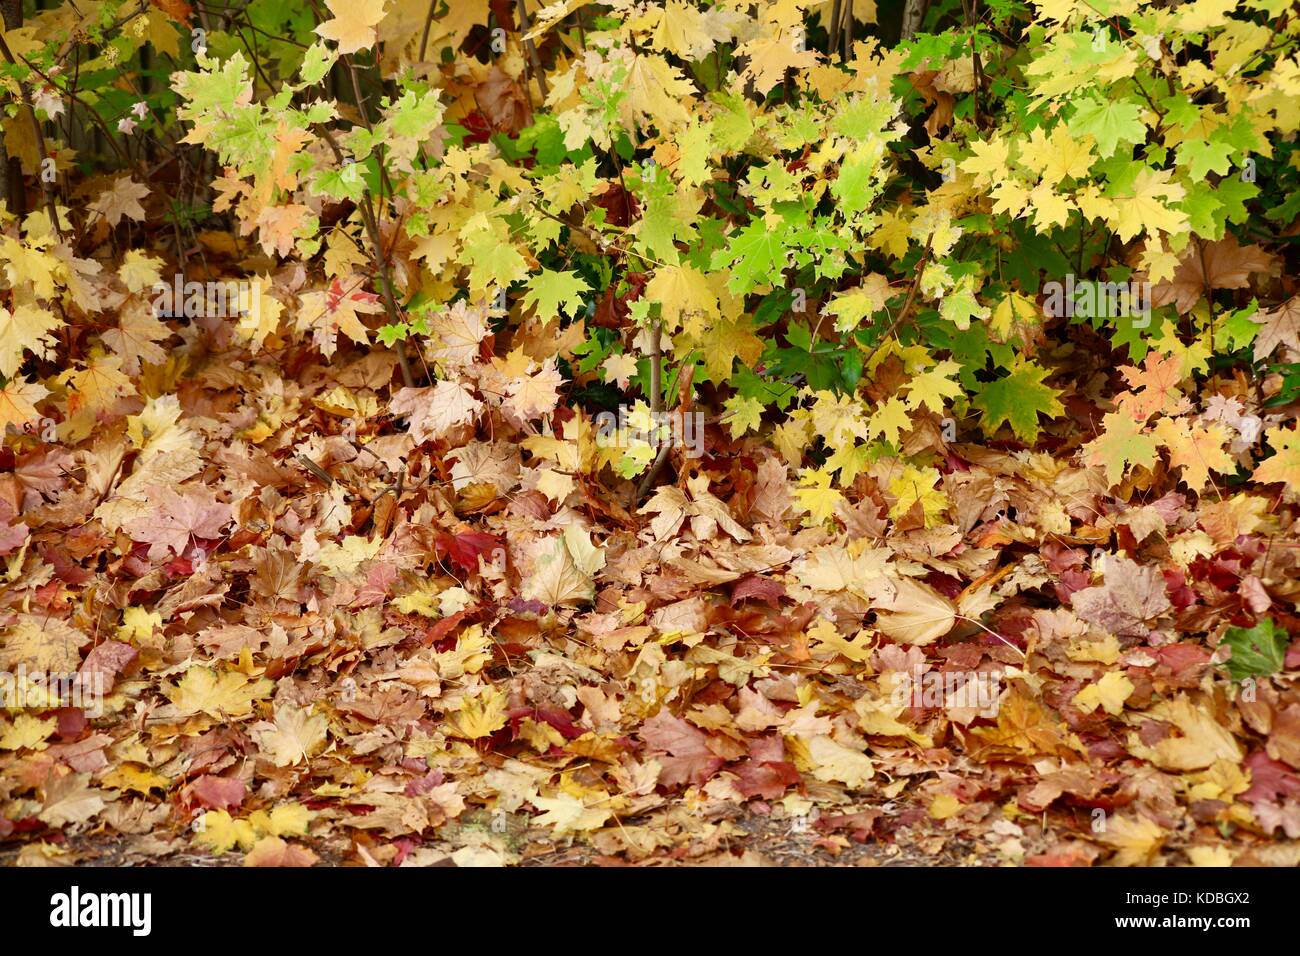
point(859, 250)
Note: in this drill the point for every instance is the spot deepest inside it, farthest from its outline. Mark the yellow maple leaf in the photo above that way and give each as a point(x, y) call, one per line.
point(1284, 466)
point(1142, 209)
point(815, 496)
point(917, 486)
point(934, 387)
point(479, 716)
point(989, 162)
point(287, 819)
point(1200, 739)
point(770, 56)
point(1196, 448)
point(220, 833)
point(567, 814)
point(1109, 693)
point(219, 694)
point(353, 23)
point(28, 328)
point(889, 420)
point(296, 735)
point(683, 293)
point(98, 386)
point(1137, 839)
point(27, 733)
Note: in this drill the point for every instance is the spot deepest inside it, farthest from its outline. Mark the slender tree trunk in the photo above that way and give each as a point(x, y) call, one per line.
point(11, 169)
point(913, 16)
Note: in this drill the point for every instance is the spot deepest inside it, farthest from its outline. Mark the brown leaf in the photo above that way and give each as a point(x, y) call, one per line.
point(504, 103)
point(1205, 266)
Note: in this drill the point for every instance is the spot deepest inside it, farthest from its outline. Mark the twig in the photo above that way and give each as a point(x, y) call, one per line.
point(532, 49)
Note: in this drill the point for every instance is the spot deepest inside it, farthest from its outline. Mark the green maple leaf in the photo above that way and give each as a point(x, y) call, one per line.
point(1257, 651)
point(414, 118)
point(756, 255)
point(494, 261)
point(555, 292)
point(1205, 210)
point(1017, 400)
point(1203, 156)
point(316, 62)
point(1238, 330)
point(213, 89)
point(1110, 123)
point(1122, 443)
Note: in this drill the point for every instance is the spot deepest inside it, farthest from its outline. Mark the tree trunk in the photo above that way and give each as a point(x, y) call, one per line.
point(913, 15)
point(11, 169)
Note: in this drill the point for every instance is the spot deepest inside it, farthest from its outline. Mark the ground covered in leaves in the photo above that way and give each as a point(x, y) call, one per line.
point(369, 549)
point(360, 648)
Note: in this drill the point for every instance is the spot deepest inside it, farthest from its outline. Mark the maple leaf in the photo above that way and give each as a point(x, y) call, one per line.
point(683, 293)
point(1122, 443)
point(1108, 693)
point(279, 226)
point(136, 339)
point(1156, 387)
point(683, 750)
point(563, 569)
point(27, 733)
point(1110, 122)
point(916, 486)
point(1195, 448)
point(121, 199)
point(98, 385)
point(1200, 741)
point(295, 735)
point(466, 548)
point(1025, 729)
point(832, 761)
point(534, 395)
point(889, 420)
point(1257, 651)
point(567, 814)
point(352, 25)
point(221, 694)
point(18, 401)
point(176, 518)
point(220, 833)
point(1137, 839)
point(989, 160)
point(69, 799)
point(456, 333)
point(480, 715)
point(1206, 266)
point(619, 367)
point(435, 411)
point(934, 388)
point(272, 851)
point(555, 292)
point(26, 329)
point(1146, 206)
point(915, 613)
point(1284, 465)
point(815, 495)
point(1018, 399)
point(504, 102)
point(1130, 599)
point(1281, 326)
